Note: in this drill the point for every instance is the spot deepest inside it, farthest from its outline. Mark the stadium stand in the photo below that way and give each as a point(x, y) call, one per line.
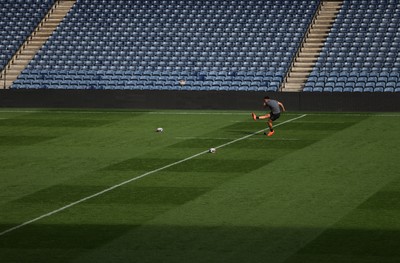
point(362, 51)
point(152, 44)
point(18, 18)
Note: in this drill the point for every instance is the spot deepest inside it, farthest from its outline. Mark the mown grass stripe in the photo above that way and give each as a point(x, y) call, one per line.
point(136, 178)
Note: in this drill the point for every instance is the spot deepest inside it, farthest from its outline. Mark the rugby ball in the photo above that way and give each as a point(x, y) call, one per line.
point(159, 130)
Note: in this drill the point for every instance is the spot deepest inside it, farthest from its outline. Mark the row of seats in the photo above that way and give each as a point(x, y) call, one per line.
point(352, 86)
point(150, 75)
point(353, 81)
point(200, 38)
point(355, 77)
point(145, 85)
point(213, 80)
point(350, 89)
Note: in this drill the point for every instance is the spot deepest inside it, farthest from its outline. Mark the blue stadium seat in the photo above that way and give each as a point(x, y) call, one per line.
point(108, 35)
point(363, 38)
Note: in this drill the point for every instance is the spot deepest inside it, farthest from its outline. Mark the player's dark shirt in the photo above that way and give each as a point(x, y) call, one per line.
point(274, 106)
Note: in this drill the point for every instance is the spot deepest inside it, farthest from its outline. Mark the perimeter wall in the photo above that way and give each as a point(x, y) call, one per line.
point(222, 100)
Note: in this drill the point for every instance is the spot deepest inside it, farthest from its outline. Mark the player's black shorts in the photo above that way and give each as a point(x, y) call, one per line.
point(274, 116)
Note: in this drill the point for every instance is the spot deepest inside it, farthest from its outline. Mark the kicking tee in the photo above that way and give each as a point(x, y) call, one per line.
point(274, 106)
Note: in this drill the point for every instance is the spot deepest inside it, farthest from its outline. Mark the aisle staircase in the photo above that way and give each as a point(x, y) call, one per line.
point(311, 46)
point(34, 42)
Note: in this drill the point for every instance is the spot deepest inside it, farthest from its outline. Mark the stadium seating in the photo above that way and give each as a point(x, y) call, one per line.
point(362, 50)
point(18, 19)
point(152, 44)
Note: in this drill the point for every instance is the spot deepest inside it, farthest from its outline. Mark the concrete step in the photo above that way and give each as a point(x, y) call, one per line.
point(329, 7)
point(311, 49)
point(313, 45)
point(321, 27)
point(24, 56)
point(299, 74)
point(306, 56)
point(324, 19)
point(320, 30)
point(319, 35)
point(330, 10)
point(54, 18)
point(313, 39)
point(43, 33)
point(311, 59)
point(34, 44)
point(30, 48)
point(327, 23)
point(19, 66)
point(28, 52)
point(293, 84)
point(296, 74)
point(326, 14)
point(293, 87)
point(39, 38)
point(35, 41)
point(296, 80)
point(50, 25)
point(317, 30)
point(331, 3)
point(7, 83)
point(302, 64)
point(12, 72)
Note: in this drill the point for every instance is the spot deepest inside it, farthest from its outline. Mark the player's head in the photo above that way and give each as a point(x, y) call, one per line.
point(266, 98)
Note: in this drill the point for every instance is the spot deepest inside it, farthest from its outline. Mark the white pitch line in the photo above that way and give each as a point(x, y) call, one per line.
point(134, 179)
point(226, 138)
point(254, 133)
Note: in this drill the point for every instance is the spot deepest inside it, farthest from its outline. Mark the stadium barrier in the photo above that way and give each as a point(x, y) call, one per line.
point(221, 100)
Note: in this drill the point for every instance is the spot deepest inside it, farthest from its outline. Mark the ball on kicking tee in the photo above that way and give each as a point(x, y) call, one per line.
point(159, 130)
point(212, 150)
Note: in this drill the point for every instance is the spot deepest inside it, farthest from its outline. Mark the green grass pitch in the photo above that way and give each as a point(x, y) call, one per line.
point(103, 186)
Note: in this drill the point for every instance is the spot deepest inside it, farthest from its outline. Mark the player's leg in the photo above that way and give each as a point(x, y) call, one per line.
point(271, 128)
point(272, 118)
point(262, 117)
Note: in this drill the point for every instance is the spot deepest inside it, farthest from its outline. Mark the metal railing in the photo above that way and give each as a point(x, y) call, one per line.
point(4, 76)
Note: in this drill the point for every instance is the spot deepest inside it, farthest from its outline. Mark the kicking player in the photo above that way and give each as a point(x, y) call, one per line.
point(275, 107)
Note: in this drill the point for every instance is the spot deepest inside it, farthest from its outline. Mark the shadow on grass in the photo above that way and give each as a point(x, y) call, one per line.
point(134, 243)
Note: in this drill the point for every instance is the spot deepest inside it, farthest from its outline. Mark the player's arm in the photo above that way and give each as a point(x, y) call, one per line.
point(281, 105)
